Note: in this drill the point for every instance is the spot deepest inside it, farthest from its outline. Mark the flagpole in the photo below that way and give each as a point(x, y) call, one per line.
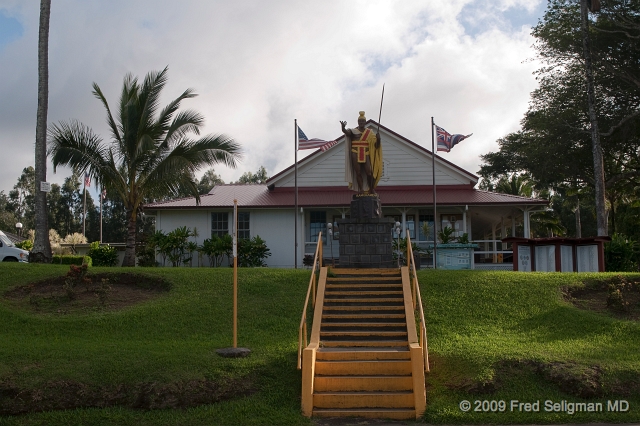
point(380, 114)
point(295, 211)
point(100, 196)
point(235, 273)
point(84, 214)
point(433, 182)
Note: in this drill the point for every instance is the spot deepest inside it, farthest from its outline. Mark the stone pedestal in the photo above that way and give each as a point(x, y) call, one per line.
point(366, 207)
point(366, 243)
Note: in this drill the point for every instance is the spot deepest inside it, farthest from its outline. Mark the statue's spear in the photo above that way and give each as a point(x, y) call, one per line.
point(380, 115)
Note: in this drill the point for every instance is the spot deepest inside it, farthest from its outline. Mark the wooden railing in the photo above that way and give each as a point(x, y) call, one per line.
point(417, 303)
point(311, 292)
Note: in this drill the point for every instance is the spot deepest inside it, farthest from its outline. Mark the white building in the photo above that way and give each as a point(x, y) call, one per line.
point(405, 190)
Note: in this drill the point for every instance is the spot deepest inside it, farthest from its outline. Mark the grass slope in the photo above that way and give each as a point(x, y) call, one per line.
point(476, 321)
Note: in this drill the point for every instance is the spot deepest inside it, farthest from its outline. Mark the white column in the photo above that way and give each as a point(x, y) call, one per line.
point(527, 229)
point(404, 222)
point(503, 231)
point(464, 222)
point(494, 245)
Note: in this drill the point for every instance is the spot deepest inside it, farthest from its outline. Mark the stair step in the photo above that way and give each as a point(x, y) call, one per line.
point(366, 309)
point(365, 271)
point(363, 367)
point(364, 316)
point(366, 333)
point(397, 399)
point(367, 284)
point(372, 300)
point(367, 280)
point(350, 343)
point(390, 293)
point(370, 413)
point(363, 353)
point(372, 319)
point(362, 383)
point(368, 327)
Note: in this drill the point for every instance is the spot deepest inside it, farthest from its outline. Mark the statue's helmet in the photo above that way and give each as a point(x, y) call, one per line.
point(362, 117)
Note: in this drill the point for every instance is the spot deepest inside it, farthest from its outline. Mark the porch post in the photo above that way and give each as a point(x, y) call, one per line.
point(404, 221)
point(494, 245)
point(464, 220)
point(527, 230)
point(503, 231)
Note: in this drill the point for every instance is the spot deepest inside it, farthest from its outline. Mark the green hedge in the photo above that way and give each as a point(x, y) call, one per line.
point(71, 259)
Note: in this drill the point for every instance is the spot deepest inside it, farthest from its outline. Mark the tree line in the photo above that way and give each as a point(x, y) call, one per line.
point(551, 156)
point(65, 206)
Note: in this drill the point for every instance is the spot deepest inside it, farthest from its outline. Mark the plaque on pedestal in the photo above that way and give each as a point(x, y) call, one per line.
point(366, 206)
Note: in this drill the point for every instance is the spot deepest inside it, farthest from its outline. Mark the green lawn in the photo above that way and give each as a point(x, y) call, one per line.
point(483, 327)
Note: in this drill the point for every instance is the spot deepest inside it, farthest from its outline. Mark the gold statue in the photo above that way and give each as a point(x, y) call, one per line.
point(363, 156)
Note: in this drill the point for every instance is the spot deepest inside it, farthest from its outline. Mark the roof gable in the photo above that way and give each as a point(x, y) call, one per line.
point(405, 163)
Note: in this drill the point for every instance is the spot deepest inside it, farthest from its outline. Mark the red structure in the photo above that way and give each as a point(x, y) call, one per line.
point(558, 254)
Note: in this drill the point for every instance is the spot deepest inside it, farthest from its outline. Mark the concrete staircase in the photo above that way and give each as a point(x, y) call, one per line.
point(363, 364)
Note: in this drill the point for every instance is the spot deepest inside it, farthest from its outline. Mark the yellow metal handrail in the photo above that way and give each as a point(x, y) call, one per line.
point(302, 332)
point(417, 302)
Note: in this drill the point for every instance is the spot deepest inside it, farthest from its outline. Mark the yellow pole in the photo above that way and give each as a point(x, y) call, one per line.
point(235, 273)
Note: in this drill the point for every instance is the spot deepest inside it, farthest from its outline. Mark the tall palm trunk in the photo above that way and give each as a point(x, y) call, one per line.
point(41, 247)
point(130, 247)
point(598, 162)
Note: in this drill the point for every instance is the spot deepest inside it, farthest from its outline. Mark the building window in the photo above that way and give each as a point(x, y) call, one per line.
point(318, 223)
point(219, 224)
point(453, 221)
point(243, 225)
point(428, 219)
point(409, 224)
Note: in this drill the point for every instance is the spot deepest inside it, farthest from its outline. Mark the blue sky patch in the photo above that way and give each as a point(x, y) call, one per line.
point(477, 18)
point(10, 29)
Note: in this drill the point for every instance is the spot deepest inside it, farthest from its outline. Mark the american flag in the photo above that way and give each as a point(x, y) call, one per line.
point(446, 141)
point(87, 180)
point(306, 143)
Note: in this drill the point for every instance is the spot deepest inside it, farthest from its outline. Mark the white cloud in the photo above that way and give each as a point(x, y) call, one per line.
point(258, 65)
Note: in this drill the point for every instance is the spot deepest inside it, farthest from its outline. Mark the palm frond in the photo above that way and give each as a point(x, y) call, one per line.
point(167, 112)
point(185, 122)
point(115, 131)
point(75, 145)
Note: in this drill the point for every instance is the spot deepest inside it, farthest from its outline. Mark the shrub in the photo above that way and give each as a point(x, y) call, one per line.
point(76, 275)
point(70, 259)
point(252, 252)
point(25, 245)
point(105, 255)
point(216, 248)
point(621, 254)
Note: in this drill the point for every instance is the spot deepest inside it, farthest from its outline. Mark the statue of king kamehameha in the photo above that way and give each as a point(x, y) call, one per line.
point(363, 157)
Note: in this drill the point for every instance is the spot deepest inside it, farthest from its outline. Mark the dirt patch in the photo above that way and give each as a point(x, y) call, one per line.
point(618, 296)
point(582, 381)
point(62, 395)
point(89, 293)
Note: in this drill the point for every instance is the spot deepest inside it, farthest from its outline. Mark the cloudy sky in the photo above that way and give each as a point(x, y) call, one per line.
point(258, 65)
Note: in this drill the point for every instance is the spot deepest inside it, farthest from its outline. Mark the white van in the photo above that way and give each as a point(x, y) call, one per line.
point(9, 252)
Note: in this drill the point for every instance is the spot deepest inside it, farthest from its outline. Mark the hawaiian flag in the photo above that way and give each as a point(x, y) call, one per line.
point(87, 180)
point(446, 141)
point(306, 143)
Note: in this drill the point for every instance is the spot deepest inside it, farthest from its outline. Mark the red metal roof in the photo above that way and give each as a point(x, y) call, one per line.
point(259, 196)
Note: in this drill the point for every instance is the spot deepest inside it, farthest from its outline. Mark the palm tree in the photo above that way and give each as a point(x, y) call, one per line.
point(515, 185)
point(149, 155)
point(41, 246)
